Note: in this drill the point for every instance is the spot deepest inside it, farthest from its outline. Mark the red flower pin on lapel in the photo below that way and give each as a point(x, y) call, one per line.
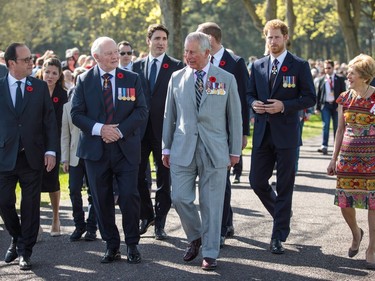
point(284, 68)
point(165, 65)
point(222, 62)
point(29, 89)
point(55, 99)
point(212, 79)
point(120, 75)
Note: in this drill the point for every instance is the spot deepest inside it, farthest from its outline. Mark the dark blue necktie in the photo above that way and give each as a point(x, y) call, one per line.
point(108, 98)
point(18, 103)
point(199, 86)
point(152, 78)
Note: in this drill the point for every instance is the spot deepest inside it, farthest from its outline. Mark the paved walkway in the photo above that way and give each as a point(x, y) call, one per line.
point(316, 248)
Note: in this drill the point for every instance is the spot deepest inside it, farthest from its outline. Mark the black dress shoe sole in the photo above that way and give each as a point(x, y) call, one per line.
point(277, 252)
point(117, 257)
point(134, 260)
point(144, 230)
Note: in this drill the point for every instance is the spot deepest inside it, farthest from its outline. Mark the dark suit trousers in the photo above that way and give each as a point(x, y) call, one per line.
point(114, 166)
point(163, 192)
point(25, 232)
point(76, 175)
point(278, 204)
point(227, 209)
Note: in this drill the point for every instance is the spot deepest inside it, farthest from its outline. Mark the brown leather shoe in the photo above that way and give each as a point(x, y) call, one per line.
point(209, 264)
point(192, 250)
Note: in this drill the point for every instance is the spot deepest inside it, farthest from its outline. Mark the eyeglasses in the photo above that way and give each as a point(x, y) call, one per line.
point(126, 53)
point(26, 60)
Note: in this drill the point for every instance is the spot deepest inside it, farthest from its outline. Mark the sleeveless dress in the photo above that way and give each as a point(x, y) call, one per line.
point(356, 162)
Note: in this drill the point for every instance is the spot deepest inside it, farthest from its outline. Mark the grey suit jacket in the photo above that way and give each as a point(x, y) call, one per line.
point(218, 123)
point(69, 137)
point(3, 70)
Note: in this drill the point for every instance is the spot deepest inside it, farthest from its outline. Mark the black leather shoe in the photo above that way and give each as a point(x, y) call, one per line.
point(276, 247)
point(160, 234)
point(192, 250)
point(209, 264)
point(145, 224)
point(77, 234)
point(25, 263)
point(230, 232)
point(111, 255)
point(11, 254)
point(324, 151)
point(134, 256)
point(90, 236)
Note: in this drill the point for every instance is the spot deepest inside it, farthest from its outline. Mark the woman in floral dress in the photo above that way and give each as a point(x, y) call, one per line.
point(353, 159)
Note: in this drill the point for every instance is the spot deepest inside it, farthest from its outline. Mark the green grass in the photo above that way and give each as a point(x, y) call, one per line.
point(312, 128)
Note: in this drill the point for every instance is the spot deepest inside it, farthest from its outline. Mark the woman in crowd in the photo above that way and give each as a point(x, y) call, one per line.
point(52, 73)
point(353, 159)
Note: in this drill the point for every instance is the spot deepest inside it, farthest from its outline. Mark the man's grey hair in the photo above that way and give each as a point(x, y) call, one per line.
point(203, 40)
point(95, 48)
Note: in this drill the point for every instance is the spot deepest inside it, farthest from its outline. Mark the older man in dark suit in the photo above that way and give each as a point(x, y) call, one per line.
point(220, 57)
point(28, 141)
point(280, 86)
point(109, 108)
point(155, 70)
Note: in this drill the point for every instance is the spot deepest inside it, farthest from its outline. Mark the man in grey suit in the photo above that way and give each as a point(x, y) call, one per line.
point(202, 136)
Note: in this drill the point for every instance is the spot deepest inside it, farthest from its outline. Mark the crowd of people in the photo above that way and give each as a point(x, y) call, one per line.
point(101, 116)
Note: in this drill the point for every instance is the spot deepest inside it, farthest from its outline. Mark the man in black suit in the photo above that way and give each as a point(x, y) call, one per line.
point(155, 70)
point(109, 108)
point(236, 65)
point(29, 141)
point(280, 86)
point(3, 70)
point(330, 86)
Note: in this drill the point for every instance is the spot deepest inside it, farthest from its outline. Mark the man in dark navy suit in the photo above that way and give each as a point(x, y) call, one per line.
point(280, 86)
point(109, 108)
point(155, 70)
point(28, 143)
point(330, 86)
point(236, 65)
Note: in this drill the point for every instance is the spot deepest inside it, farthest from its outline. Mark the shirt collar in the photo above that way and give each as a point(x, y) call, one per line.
point(12, 80)
point(280, 58)
point(159, 58)
point(205, 69)
point(102, 72)
point(219, 54)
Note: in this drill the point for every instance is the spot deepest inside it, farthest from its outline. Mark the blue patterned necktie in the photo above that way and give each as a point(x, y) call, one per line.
point(18, 103)
point(152, 78)
point(108, 98)
point(199, 86)
point(273, 73)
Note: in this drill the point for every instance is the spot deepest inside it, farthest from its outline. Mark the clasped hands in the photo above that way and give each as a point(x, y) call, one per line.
point(110, 133)
point(272, 106)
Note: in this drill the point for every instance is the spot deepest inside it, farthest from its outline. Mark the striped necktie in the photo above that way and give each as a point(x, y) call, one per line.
point(199, 86)
point(108, 98)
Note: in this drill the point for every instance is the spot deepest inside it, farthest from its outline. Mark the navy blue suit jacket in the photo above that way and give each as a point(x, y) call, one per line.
point(88, 108)
point(156, 99)
point(36, 126)
point(284, 126)
point(236, 65)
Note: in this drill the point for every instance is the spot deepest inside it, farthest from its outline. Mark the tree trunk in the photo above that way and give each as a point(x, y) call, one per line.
point(290, 20)
point(349, 15)
point(253, 15)
point(271, 10)
point(171, 17)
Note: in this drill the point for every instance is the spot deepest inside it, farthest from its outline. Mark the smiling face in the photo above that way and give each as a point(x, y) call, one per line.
point(51, 74)
point(194, 56)
point(158, 43)
point(276, 41)
point(356, 81)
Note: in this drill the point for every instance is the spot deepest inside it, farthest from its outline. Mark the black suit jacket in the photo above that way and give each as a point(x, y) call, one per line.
point(156, 99)
point(88, 108)
point(338, 87)
point(236, 65)
point(284, 126)
point(36, 126)
point(3, 70)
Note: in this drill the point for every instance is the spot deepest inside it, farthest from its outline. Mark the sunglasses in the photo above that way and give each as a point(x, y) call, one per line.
point(126, 53)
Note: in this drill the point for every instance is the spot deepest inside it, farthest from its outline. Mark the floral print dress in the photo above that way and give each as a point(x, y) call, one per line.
point(356, 163)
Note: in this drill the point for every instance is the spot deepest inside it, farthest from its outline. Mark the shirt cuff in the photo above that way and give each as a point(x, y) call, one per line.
point(97, 129)
point(52, 153)
point(166, 151)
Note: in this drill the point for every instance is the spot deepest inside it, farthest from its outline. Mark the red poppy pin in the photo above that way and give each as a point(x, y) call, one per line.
point(165, 65)
point(29, 89)
point(212, 79)
point(284, 68)
point(222, 62)
point(120, 75)
point(55, 99)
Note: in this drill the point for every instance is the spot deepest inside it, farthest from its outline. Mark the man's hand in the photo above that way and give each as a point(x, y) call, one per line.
point(49, 162)
point(165, 159)
point(273, 106)
point(258, 107)
point(234, 160)
point(65, 167)
point(110, 133)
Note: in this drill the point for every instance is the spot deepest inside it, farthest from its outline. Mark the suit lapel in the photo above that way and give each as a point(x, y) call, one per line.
point(190, 82)
point(264, 71)
point(288, 63)
point(98, 80)
point(26, 93)
point(7, 95)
